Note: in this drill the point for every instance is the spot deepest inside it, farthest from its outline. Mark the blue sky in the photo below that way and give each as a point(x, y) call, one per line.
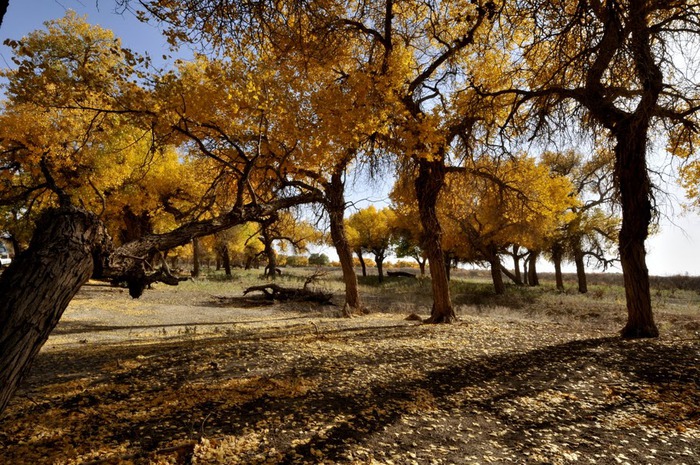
point(674, 250)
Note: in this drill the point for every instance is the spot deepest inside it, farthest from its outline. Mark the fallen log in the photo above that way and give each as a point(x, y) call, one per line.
point(400, 274)
point(277, 292)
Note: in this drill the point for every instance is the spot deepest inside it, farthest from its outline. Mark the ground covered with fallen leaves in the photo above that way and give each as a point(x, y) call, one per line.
point(203, 376)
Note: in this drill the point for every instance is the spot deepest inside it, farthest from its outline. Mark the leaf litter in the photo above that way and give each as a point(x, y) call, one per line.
point(303, 387)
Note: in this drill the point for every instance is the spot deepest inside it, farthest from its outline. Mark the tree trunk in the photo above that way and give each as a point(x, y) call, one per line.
point(557, 256)
point(516, 265)
point(271, 268)
point(421, 265)
point(335, 206)
point(196, 252)
point(580, 270)
point(496, 276)
point(429, 182)
point(226, 260)
point(635, 194)
point(532, 278)
point(379, 260)
point(39, 285)
point(363, 265)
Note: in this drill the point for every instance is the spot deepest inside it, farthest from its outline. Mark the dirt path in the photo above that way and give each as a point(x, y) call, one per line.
point(193, 378)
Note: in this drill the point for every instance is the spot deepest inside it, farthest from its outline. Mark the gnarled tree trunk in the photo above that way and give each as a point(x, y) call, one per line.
point(496, 276)
point(363, 265)
point(532, 278)
point(635, 194)
point(39, 285)
point(429, 182)
point(335, 206)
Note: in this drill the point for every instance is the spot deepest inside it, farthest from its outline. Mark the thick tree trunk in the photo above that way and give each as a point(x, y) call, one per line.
point(429, 182)
point(335, 206)
point(635, 194)
point(39, 285)
point(580, 270)
point(532, 278)
point(557, 256)
point(271, 268)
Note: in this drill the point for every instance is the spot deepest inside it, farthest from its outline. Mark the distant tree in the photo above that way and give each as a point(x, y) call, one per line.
point(319, 259)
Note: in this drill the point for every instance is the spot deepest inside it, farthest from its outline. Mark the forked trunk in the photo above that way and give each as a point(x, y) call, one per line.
point(39, 285)
point(635, 197)
point(335, 206)
point(379, 259)
point(429, 182)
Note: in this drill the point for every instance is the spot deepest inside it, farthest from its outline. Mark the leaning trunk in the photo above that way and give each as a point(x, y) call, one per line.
point(363, 265)
point(335, 206)
point(635, 194)
point(429, 182)
point(40, 283)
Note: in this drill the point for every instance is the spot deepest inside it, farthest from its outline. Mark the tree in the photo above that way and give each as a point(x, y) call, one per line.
point(589, 228)
point(284, 229)
point(374, 233)
point(79, 83)
point(612, 65)
point(499, 203)
point(319, 259)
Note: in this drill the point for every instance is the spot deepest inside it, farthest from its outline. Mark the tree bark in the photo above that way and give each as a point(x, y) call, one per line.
point(428, 183)
point(39, 285)
point(635, 194)
point(335, 206)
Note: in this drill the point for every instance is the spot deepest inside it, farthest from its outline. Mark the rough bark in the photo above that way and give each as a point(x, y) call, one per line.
point(428, 183)
point(335, 206)
point(635, 197)
point(39, 285)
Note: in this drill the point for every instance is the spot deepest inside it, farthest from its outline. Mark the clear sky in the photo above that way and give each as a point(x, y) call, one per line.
point(674, 250)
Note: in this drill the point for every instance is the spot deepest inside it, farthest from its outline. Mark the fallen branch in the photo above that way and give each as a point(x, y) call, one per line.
point(400, 274)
